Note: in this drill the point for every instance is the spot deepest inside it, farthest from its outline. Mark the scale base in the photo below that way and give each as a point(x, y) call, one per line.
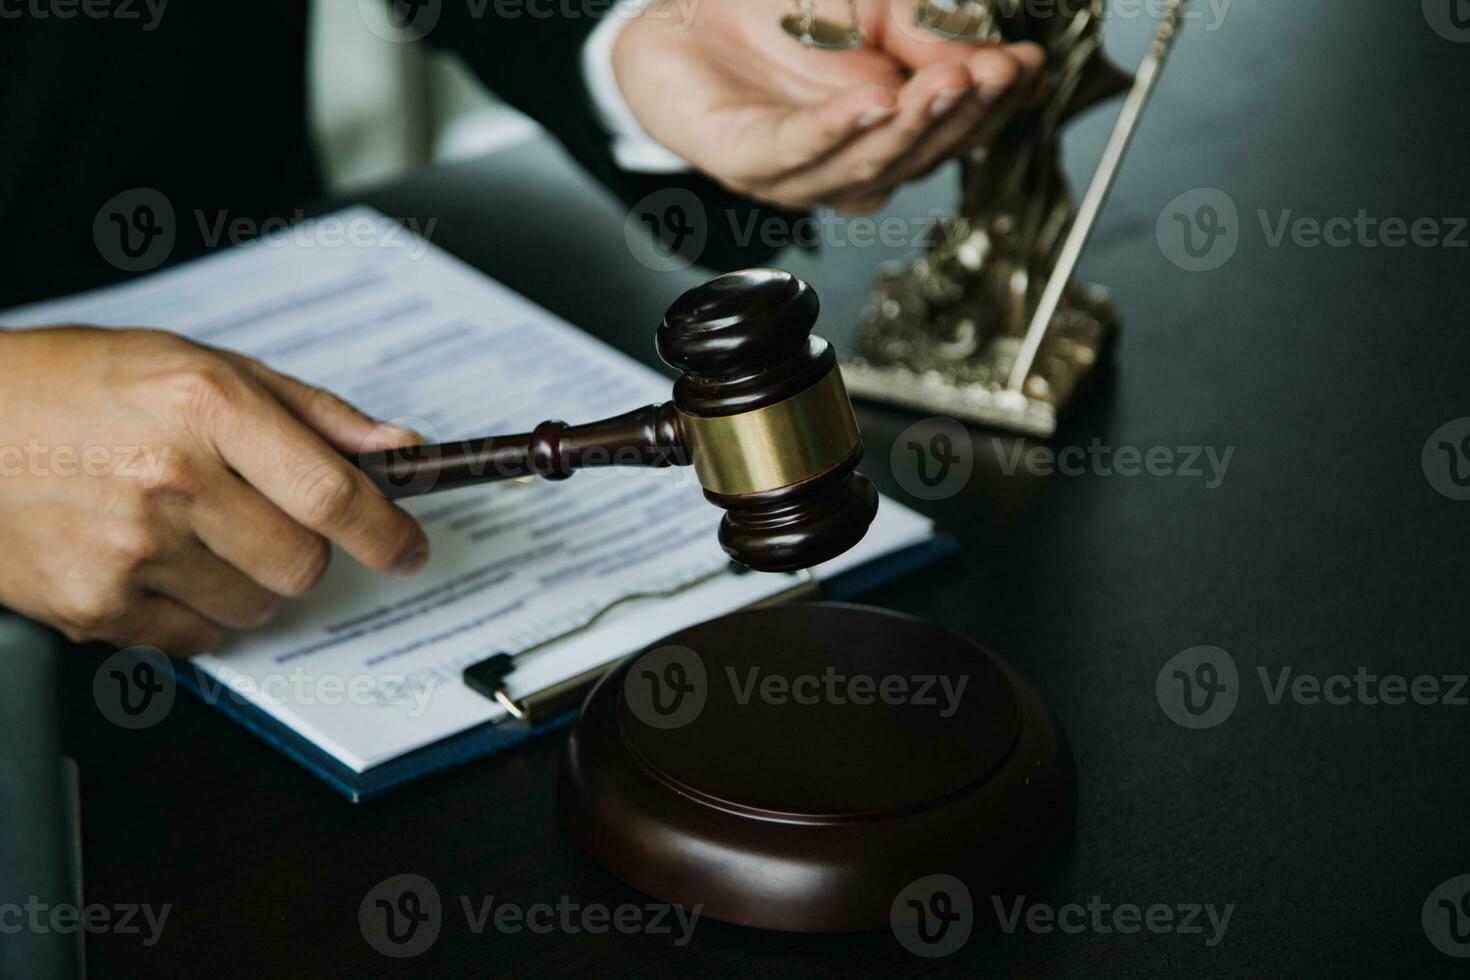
point(810, 806)
point(950, 358)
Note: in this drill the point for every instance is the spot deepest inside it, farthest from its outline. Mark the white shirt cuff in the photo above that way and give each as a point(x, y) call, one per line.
point(632, 148)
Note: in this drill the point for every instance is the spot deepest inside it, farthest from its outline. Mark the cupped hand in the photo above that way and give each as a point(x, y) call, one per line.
point(157, 492)
point(721, 84)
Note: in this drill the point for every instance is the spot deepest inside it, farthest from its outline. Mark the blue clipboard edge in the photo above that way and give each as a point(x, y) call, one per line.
point(491, 737)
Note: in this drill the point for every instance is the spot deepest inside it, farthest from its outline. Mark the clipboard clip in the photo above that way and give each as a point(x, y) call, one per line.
point(488, 677)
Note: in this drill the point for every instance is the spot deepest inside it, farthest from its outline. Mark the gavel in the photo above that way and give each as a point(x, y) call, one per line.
point(759, 410)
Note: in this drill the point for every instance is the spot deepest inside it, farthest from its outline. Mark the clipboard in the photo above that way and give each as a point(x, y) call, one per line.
point(540, 712)
point(539, 707)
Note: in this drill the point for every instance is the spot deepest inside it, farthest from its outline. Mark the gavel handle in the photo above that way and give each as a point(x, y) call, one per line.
point(649, 436)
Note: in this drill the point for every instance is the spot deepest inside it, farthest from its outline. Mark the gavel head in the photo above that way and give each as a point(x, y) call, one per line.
point(766, 420)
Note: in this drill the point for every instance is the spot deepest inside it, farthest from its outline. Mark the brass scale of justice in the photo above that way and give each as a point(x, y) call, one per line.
point(833, 817)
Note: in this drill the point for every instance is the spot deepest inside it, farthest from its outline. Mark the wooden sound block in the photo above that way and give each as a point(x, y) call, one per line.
point(796, 767)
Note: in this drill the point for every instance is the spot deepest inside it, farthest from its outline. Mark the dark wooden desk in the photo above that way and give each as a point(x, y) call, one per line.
point(1324, 549)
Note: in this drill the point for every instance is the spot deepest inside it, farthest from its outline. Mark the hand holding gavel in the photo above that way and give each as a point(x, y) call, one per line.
point(759, 410)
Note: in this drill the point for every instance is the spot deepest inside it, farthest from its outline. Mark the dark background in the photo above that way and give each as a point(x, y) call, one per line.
point(1325, 549)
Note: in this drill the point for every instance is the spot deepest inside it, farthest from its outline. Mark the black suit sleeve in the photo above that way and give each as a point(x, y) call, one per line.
point(533, 61)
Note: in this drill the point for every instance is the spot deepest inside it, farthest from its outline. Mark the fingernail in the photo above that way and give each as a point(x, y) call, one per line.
point(414, 563)
point(874, 116)
point(946, 100)
point(400, 434)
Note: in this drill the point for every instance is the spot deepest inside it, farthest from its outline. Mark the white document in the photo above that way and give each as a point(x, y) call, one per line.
point(368, 666)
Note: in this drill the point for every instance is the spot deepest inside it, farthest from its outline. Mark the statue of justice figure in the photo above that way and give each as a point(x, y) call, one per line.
point(987, 324)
